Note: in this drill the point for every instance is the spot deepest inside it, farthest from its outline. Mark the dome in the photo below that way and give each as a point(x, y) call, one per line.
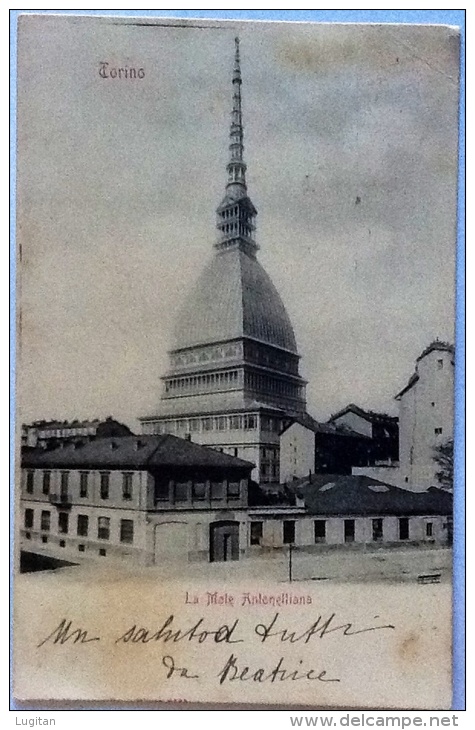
point(233, 298)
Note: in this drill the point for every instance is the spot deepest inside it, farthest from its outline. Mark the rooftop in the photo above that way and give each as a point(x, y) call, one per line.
point(412, 380)
point(233, 298)
point(372, 416)
point(437, 345)
point(306, 420)
point(335, 494)
point(133, 452)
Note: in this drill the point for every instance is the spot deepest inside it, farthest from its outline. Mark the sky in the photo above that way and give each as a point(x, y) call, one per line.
point(351, 147)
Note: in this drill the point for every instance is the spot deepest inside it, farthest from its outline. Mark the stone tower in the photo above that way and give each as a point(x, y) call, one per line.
point(234, 367)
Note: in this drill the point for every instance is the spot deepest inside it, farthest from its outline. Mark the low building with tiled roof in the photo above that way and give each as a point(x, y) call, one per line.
point(342, 509)
point(134, 452)
point(142, 498)
point(362, 496)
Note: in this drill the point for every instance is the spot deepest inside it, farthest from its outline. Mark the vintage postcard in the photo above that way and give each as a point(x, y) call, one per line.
point(236, 254)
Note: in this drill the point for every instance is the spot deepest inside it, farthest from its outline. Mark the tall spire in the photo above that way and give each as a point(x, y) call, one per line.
point(236, 166)
point(236, 213)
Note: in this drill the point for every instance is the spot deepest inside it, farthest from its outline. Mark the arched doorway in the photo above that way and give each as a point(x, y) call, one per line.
point(223, 541)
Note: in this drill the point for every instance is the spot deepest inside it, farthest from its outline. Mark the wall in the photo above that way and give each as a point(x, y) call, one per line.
point(355, 422)
point(297, 453)
point(186, 524)
point(33, 539)
point(335, 530)
point(247, 444)
point(185, 536)
point(427, 406)
point(115, 508)
point(141, 498)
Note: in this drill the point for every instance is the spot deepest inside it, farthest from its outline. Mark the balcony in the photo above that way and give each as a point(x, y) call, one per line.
point(61, 500)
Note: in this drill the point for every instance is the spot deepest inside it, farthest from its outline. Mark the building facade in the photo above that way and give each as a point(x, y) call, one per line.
point(381, 428)
point(353, 437)
point(234, 364)
point(426, 414)
point(49, 433)
point(148, 499)
point(360, 510)
point(426, 419)
point(165, 501)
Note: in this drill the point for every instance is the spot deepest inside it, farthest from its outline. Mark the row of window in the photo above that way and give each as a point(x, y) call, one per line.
point(126, 530)
point(209, 354)
point(229, 212)
point(180, 491)
point(248, 422)
point(255, 354)
point(66, 432)
point(270, 453)
point(236, 228)
point(320, 530)
point(217, 423)
point(254, 381)
point(266, 384)
point(270, 470)
point(210, 380)
point(288, 528)
point(83, 484)
point(236, 172)
point(62, 544)
point(271, 359)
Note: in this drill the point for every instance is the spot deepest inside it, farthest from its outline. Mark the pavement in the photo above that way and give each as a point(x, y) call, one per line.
point(395, 565)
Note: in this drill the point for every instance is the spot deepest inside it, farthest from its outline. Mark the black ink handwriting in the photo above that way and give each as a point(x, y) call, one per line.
point(64, 633)
point(232, 671)
point(174, 671)
point(168, 632)
point(320, 628)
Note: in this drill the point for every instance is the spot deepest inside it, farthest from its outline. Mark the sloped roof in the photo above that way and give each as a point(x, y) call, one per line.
point(437, 345)
point(412, 380)
point(134, 452)
point(372, 416)
point(306, 420)
point(335, 494)
point(234, 297)
point(233, 195)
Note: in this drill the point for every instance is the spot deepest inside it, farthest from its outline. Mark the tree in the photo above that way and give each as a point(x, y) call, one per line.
point(444, 458)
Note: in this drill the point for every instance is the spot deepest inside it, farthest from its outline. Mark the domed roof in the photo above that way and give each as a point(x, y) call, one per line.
point(234, 297)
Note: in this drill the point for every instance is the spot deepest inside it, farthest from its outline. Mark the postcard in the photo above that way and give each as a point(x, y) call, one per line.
point(236, 259)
